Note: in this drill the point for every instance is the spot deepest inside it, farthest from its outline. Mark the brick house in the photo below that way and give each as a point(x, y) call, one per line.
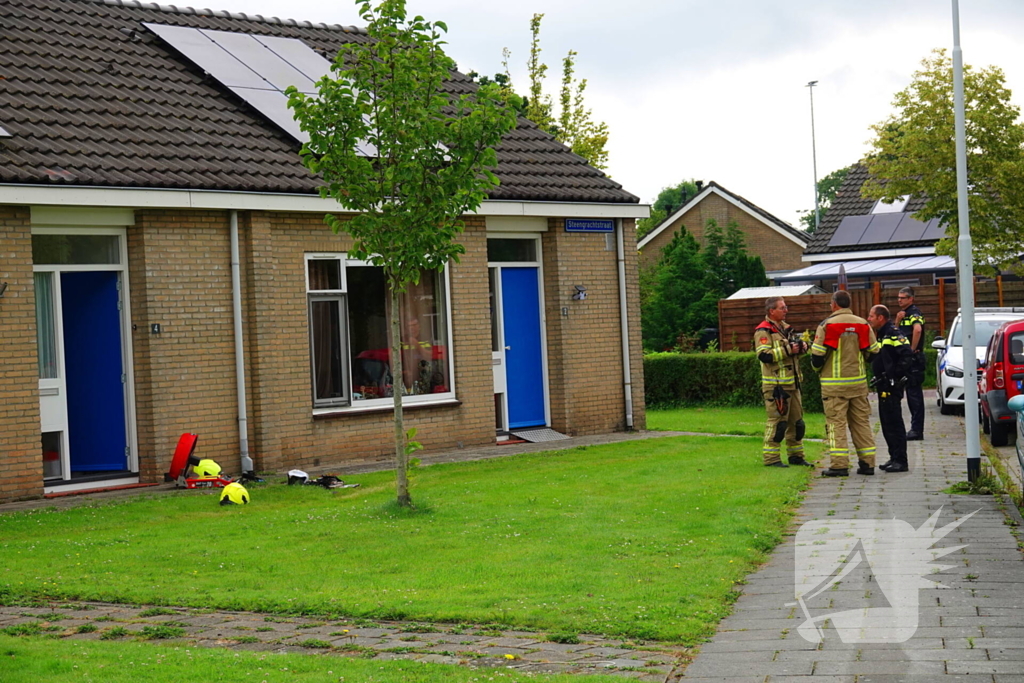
point(168, 270)
point(779, 245)
point(873, 242)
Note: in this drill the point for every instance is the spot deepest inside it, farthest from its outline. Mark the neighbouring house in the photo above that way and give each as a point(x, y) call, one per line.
point(167, 268)
point(873, 242)
point(779, 244)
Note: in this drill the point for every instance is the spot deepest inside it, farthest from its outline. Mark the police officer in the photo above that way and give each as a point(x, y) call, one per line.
point(842, 344)
point(779, 352)
point(890, 368)
point(910, 321)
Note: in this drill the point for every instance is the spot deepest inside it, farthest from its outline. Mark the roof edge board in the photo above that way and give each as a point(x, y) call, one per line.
point(143, 198)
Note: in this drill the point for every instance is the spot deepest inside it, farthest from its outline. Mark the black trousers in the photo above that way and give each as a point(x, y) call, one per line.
point(890, 414)
point(915, 395)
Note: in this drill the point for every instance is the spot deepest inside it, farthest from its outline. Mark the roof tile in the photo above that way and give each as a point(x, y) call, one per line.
point(88, 90)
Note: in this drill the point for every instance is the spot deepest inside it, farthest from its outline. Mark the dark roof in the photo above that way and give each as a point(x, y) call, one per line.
point(800, 234)
point(91, 98)
point(848, 202)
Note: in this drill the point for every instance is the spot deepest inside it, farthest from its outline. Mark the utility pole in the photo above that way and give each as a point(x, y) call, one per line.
point(814, 157)
point(965, 267)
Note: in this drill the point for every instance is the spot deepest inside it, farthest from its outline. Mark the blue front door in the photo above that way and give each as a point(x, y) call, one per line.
point(520, 309)
point(94, 368)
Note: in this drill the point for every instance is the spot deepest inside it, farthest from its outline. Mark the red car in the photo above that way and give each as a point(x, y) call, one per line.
point(1000, 378)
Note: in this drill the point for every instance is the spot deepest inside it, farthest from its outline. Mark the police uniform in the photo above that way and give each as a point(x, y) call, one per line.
point(890, 369)
point(915, 377)
point(842, 346)
point(780, 372)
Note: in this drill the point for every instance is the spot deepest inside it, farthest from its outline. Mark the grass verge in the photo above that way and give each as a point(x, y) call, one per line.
point(30, 660)
point(643, 539)
point(736, 421)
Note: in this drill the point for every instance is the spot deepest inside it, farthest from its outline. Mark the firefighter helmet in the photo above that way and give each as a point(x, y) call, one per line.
point(234, 494)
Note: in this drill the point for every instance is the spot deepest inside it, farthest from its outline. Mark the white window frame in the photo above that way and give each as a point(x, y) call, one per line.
point(348, 404)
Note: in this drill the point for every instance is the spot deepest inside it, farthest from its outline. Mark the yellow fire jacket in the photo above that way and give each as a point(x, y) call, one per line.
point(771, 345)
point(843, 344)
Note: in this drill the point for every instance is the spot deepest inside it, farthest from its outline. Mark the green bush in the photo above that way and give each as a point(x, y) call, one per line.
point(732, 378)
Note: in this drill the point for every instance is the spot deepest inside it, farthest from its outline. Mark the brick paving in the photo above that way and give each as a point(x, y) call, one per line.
point(971, 631)
point(474, 646)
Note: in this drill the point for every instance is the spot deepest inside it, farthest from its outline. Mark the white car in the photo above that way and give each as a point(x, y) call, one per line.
point(949, 365)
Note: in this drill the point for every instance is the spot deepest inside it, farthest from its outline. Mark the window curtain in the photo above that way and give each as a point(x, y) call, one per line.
point(46, 330)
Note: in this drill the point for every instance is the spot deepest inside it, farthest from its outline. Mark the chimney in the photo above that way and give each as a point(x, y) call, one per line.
point(700, 186)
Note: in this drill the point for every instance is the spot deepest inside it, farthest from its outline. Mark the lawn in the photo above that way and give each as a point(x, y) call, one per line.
point(745, 421)
point(642, 539)
point(30, 660)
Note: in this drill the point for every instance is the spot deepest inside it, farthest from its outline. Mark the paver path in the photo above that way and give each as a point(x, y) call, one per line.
point(444, 644)
point(972, 631)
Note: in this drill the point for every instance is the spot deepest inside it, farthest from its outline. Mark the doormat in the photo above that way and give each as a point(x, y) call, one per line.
point(538, 434)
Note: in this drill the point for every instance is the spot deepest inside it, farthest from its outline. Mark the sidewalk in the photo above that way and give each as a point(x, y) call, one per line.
point(972, 631)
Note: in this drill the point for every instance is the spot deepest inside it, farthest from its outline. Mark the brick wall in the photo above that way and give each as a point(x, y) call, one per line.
point(584, 346)
point(20, 450)
point(179, 270)
point(179, 273)
point(777, 252)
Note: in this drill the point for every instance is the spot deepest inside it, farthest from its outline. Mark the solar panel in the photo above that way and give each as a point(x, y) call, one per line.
point(881, 228)
point(301, 58)
point(909, 230)
point(256, 68)
point(849, 231)
point(934, 230)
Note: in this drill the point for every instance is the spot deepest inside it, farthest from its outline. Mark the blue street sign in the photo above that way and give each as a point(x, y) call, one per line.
point(589, 225)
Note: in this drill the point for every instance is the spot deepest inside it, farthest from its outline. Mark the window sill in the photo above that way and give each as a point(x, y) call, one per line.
point(328, 413)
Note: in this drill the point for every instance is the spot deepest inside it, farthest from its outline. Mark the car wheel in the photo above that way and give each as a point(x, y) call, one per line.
point(999, 435)
point(945, 408)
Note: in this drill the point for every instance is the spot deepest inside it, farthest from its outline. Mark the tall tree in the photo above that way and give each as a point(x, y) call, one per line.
point(668, 201)
point(827, 189)
point(573, 125)
point(914, 153)
point(430, 166)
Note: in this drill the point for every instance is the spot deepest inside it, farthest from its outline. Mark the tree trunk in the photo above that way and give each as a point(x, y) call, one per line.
point(397, 387)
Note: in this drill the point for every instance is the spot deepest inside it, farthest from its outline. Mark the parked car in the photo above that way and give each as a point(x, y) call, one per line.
point(1001, 378)
point(949, 364)
point(1016, 404)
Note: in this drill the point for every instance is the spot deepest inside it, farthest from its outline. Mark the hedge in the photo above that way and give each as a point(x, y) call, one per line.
point(730, 378)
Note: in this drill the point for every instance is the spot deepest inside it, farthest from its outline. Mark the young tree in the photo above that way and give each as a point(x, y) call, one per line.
point(914, 153)
point(827, 188)
point(428, 161)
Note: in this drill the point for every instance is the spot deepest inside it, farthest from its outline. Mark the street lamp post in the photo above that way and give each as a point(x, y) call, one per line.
point(814, 158)
point(965, 275)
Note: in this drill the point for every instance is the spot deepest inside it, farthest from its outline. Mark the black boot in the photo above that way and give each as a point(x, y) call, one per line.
point(864, 468)
point(798, 460)
point(833, 472)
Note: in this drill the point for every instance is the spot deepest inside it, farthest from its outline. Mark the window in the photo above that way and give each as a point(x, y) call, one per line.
point(896, 207)
point(350, 340)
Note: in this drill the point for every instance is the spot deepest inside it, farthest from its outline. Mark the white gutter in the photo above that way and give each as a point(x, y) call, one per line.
point(236, 305)
point(627, 373)
point(138, 198)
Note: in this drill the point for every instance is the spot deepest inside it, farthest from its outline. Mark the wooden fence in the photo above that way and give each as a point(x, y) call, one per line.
point(737, 318)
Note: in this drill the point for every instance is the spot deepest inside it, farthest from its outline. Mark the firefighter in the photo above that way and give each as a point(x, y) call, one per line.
point(842, 346)
point(890, 369)
point(779, 351)
point(911, 323)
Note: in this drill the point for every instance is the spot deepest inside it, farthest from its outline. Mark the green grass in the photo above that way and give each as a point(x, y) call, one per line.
point(30, 660)
point(641, 540)
point(738, 421)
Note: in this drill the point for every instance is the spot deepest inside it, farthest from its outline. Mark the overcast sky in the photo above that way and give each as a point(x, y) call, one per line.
point(715, 89)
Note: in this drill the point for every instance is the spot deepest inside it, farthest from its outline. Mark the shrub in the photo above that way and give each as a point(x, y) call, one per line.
point(731, 378)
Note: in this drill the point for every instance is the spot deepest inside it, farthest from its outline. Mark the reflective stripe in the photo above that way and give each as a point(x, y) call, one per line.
point(819, 347)
point(843, 380)
point(895, 341)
